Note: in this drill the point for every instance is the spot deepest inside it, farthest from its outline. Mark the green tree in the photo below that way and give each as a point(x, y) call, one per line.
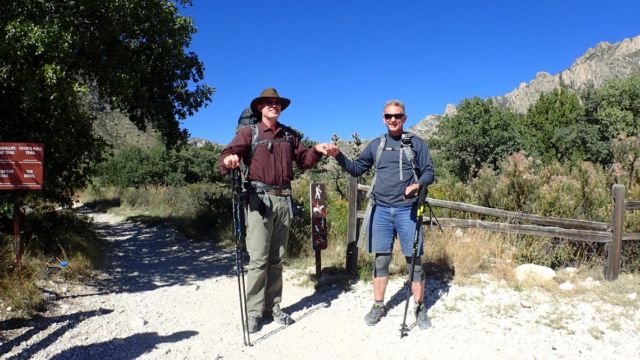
point(617, 108)
point(556, 129)
point(59, 59)
point(479, 134)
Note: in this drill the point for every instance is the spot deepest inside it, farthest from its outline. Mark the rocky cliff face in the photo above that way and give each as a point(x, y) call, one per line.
point(597, 66)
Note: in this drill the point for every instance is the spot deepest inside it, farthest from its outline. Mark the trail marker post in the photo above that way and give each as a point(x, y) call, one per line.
point(317, 197)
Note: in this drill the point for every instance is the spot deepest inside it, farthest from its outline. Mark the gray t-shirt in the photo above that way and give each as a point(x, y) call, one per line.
point(389, 189)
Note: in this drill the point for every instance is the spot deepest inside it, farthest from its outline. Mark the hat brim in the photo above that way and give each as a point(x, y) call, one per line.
point(284, 102)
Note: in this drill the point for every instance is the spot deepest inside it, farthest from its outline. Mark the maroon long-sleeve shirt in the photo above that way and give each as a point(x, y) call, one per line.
point(272, 165)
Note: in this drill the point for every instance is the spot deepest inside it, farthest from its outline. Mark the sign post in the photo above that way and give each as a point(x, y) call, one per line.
point(317, 197)
point(21, 168)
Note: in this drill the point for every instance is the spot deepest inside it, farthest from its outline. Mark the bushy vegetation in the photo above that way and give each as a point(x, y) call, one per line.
point(180, 187)
point(49, 237)
point(561, 127)
point(567, 152)
point(135, 167)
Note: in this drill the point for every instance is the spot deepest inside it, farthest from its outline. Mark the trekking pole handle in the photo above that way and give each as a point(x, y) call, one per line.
point(422, 200)
point(236, 181)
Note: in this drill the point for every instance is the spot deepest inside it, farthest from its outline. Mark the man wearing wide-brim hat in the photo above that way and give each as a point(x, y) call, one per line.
point(268, 150)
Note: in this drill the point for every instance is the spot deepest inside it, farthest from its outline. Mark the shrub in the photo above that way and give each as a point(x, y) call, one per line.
point(517, 183)
point(137, 167)
point(49, 236)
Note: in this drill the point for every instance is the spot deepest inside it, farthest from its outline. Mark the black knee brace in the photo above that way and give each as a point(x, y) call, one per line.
point(381, 265)
point(418, 274)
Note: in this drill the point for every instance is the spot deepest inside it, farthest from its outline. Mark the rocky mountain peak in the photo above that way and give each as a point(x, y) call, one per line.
point(595, 67)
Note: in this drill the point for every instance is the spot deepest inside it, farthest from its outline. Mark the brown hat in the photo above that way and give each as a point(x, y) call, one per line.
point(266, 94)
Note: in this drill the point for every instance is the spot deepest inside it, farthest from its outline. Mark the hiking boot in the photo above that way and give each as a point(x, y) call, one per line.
point(281, 317)
point(421, 317)
point(375, 314)
point(253, 324)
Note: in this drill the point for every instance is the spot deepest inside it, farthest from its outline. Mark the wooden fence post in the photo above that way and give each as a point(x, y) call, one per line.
point(17, 220)
point(352, 230)
point(612, 269)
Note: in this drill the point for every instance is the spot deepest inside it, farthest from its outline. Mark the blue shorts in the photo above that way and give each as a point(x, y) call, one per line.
point(387, 223)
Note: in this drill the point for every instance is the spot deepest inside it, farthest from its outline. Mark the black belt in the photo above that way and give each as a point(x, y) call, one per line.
point(260, 187)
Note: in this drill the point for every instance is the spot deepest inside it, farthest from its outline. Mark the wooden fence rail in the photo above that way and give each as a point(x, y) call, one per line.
point(612, 234)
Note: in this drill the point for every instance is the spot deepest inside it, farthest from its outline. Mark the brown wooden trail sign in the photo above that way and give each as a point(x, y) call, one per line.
point(21, 168)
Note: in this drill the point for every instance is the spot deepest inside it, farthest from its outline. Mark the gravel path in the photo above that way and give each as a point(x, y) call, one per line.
point(165, 297)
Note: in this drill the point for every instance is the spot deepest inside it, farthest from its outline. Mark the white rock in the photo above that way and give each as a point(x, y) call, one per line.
point(566, 286)
point(535, 273)
point(632, 296)
point(9, 308)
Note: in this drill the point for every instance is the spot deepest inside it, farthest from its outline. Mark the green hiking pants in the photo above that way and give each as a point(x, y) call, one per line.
point(267, 236)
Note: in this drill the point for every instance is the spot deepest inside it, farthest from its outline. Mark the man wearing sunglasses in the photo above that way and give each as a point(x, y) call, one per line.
point(268, 155)
point(402, 165)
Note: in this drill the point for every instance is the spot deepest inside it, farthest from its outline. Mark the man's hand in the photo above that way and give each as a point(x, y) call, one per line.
point(231, 162)
point(411, 191)
point(327, 149)
point(332, 150)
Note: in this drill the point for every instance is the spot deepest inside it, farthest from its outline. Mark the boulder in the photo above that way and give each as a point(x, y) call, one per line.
point(534, 273)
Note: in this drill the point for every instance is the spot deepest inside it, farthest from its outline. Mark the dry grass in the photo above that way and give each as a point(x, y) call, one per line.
point(49, 238)
point(471, 252)
point(623, 291)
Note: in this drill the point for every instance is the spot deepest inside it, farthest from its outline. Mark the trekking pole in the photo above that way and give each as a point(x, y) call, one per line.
point(432, 215)
point(422, 195)
point(239, 230)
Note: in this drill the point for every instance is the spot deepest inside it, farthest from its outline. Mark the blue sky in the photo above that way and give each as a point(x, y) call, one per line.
point(339, 60)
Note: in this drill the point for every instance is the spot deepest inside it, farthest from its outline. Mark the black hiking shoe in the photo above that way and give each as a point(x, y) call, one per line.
point(281, 317)
point(253, 324)
point(421, 317)
point(375, 314)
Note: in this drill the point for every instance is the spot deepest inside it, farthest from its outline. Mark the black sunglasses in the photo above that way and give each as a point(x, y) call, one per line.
point(391, 116)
